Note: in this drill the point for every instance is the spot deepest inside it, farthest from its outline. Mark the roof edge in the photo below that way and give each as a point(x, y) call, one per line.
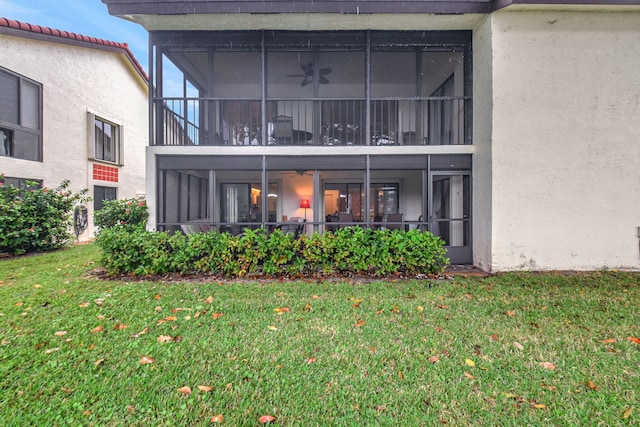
point(24, 29)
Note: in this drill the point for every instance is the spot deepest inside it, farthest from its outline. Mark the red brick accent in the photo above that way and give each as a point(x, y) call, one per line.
point(105, 173)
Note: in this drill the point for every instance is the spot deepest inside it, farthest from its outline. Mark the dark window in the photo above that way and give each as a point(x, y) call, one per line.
point(105, 141)
point(24, 183)
point(20, 117)
point(100, 194)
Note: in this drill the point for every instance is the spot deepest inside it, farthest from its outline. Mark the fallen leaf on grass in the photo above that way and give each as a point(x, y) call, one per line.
point(52, 350)
point(119, 326)
point(634, 340)
point(470, 362)
point(205, 388)
point(281, 310)
point(548, 365)
point(217, 418)
point(468, 375)
point(98, 362)
point(167, 319)
point(209, 300)
point(539, 405)
point(266, 419)
point(19, 304)
point(145, 360)
point(307, 308)
point(97, 329)
point(142, 332)
point(185, 390)
point(84, 304)
point(420, 309)
point(510, 313)
point(442, 306)
point(608, 341)
point(434, 359)
point(626, 414)
point(157, 297)
point(272, 328)
point(164, 338)
point(518, 345)
point(359, 323)
point(592, 385)
point(311, 360)
point(494, 337)
point(216, 316)
point(60, 333)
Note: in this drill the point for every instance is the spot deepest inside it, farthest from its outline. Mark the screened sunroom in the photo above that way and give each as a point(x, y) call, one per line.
point(310, 131)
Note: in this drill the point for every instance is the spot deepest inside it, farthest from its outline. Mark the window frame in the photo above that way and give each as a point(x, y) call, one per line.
point(12, 129)
point(118, 135)
point(99, 203)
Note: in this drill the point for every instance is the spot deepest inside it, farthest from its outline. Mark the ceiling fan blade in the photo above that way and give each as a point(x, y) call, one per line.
point(325, 71)
point(307, 68)
point(324, 80)
point(304, 82)
point(296, 75)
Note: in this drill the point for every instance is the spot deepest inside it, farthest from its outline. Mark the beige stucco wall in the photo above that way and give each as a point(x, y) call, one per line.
point(565, 140)
point(482, 128)
point(77, 80)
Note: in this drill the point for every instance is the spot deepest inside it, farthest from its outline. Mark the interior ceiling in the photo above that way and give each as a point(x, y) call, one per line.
point(346, 68)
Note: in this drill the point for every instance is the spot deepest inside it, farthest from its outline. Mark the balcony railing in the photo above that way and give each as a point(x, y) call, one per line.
point(329, 122)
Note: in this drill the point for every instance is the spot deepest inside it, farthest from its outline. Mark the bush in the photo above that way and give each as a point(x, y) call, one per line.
point(36, 219)
point(350, 250)
point(126, 213)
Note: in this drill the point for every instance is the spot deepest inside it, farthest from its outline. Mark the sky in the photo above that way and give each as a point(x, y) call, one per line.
point(86, 17)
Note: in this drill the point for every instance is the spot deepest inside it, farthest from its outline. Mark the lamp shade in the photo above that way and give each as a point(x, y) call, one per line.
point(304, 204)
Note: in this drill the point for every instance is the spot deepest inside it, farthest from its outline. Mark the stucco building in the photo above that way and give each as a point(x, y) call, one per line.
point(72, 107)
point(511, 128)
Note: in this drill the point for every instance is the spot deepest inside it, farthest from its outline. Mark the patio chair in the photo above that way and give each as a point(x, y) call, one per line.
point(395, 220)
point(345, 218)
point(195, 226)
point(283, 126)
point(295, 225)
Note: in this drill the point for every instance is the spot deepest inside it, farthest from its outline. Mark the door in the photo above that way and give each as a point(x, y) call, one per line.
point(449, 213)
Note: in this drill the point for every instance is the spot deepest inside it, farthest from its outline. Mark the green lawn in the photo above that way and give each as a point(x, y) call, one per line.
point(516, 349)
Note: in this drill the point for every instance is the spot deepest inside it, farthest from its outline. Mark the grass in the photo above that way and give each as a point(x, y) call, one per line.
point(514, 349)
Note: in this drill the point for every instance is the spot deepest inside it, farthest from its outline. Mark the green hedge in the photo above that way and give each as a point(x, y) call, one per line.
point(349, 250)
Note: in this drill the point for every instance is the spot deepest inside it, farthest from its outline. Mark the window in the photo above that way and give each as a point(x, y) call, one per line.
point(100, 194)
point(20, 117)
point(25, 183)
point(105, 139)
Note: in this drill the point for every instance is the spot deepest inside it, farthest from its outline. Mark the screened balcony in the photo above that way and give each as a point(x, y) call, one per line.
point(422, 121)
point(322, 89)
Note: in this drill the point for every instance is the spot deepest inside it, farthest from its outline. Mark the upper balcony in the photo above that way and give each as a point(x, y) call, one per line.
point(351, 88)
point(437, 120)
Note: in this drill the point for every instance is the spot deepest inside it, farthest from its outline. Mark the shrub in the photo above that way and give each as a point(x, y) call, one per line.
point(36, 219)
point(126, 213)
point(349, 250)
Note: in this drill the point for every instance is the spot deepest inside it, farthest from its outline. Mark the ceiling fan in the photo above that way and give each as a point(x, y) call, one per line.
point(299, 173)
point(307, 77)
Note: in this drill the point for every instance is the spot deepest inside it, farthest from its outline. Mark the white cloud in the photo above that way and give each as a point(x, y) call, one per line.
point(13, 8)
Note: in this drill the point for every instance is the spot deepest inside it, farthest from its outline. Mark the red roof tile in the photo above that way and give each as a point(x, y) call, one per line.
point(32, 28)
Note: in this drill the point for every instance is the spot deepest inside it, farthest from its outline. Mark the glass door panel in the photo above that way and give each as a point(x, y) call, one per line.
point(450, 206)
